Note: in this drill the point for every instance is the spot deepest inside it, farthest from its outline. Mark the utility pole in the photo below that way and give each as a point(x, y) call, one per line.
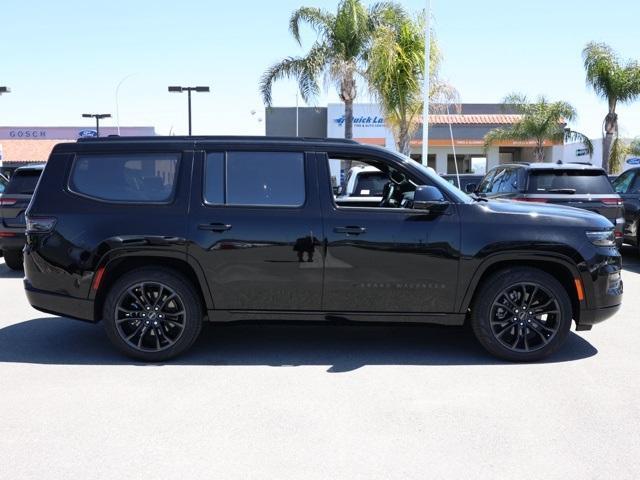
point(426, 86)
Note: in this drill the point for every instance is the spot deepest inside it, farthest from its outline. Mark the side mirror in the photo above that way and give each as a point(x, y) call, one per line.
point(429, 198)
point(470, 187)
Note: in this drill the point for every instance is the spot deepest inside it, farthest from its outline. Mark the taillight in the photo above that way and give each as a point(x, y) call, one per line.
point(528, 199)
point(7, 235)
point(40, 224)
point(7, 201)
point(618, 234)
point(611, 201)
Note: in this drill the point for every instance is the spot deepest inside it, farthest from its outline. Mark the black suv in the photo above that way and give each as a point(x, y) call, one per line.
point(627, 185)
point(576, 185)
point(155, 235)
point(13, 204)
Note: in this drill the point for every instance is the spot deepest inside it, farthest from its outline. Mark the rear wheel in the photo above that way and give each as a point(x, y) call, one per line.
point(152, 314)
point(13, 259)
point(521, 314)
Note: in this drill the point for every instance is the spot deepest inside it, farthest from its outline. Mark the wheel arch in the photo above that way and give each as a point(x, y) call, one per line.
point(559, 267)
point(113, 268)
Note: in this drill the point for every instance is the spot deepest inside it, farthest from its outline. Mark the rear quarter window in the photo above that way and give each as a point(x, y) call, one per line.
point(128, 178)
point(23, 182)
point(569, 181)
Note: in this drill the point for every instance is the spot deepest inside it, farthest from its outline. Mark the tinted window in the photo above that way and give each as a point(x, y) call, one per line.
point(214, 178)
point(125, 178)
point(623, 182)
point(569, 181)
point(265, 178)
point(370, 184)
point(3, 183)
point(497, 181)
point(509, 181)
point(23, 182)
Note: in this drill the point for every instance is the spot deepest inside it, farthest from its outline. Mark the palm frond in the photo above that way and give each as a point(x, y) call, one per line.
point(634, 147)
point(617, 155)
point(318, 19)
point(304, 70)
point(574, 136)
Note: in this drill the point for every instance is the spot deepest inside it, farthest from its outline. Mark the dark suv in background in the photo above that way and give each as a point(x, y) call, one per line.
point(153, 236)
point(570, 184)
point(627, 185)
point(13, 204)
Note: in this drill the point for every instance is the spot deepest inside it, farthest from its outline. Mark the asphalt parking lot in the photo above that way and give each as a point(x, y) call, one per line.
point(256, 401)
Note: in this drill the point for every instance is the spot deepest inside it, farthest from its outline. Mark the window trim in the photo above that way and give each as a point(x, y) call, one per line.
point(170, 200)
point(225, 152)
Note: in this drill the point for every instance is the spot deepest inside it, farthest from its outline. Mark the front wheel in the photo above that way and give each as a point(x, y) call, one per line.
point(521, 314)
point(13, 259)
point(152, 314)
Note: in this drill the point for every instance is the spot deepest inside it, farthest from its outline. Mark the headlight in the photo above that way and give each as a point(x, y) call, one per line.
point(602, 238)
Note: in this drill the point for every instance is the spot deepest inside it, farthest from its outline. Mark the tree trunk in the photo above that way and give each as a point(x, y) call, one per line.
point(404, 141)
point(610, 128)
point(348, 118)
point(538, 152)
point(348, 95)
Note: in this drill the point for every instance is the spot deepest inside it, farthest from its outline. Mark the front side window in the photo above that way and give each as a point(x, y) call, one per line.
point(255, 179)
point(133, 178)
point(622, 183)
point(485, 185)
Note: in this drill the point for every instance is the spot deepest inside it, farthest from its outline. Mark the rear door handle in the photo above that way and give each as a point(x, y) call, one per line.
point(350, 230)
point(215, 227)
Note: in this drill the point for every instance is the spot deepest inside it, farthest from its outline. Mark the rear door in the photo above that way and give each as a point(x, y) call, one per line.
point(16, 197)
point(627, 185)
point(256, 229)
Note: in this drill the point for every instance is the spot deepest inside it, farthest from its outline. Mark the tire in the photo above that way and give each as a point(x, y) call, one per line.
point(141, 314)
point(13, 259)
point(507, 331)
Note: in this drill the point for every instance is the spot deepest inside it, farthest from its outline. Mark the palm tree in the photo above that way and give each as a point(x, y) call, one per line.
point(340, 52)
point(540, 121)
point(396, 74)
point(615, 81)
point(620, 150)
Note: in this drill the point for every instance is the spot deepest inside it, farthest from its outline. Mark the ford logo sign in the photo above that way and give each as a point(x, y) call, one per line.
point(87, 133)
point(633, 161)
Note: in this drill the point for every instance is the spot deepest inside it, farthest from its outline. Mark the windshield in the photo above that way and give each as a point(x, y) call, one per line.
point(569, 181)
point(455, 193)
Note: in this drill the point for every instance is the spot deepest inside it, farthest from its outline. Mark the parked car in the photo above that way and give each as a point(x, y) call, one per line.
point(612, 178)
point(627, 185)
point(468, 181)
point(13, 203)
point(364, 186)
point(576, 185)
point(154, 235)
point(3, 183)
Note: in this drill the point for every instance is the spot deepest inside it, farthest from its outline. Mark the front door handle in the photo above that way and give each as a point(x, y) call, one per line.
point(350, 230)
point(215, 227)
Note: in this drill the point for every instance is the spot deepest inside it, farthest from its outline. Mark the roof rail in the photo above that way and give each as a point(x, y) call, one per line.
point(217, 138)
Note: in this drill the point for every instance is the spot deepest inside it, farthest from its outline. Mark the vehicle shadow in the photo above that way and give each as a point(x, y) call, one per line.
point(6, 272)
point(55, 340)
point(630, 259)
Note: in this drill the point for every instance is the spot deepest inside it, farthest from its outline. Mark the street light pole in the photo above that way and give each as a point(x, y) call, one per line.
point(98, 117)
point(179, 89)
point(426, 87)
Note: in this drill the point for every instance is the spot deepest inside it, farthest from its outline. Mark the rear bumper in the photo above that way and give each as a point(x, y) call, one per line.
point(57, 304)
point(15, 242)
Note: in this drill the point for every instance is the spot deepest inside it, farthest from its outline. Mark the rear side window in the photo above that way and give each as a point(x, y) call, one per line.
point(623, 182)
point(569, 181)
point(370, 184)
point(134, 178)
point(255, 179)
point(23, 182)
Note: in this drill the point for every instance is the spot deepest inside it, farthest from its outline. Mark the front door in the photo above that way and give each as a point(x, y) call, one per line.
point(394, 260)
point(255, 225)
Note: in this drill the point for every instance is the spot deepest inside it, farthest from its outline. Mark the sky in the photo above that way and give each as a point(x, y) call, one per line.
point(67, 57)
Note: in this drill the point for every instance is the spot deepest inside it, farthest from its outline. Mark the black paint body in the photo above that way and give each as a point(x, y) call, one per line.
point(304, 262)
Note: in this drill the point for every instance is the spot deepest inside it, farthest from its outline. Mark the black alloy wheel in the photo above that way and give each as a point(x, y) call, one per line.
point(153, 313)
point(521, 314)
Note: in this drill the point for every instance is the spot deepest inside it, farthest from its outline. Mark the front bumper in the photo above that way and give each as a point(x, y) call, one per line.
point(589, 318)
point(57, 304)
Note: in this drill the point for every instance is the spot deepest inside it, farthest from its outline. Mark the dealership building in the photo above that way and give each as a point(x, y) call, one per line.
point(25, 145)
point(467, 125)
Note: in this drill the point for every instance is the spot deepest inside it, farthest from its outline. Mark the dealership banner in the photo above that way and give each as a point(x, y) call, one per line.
point(69, 133)
point(368, 123)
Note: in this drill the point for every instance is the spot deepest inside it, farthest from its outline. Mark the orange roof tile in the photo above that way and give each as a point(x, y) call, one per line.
point(480, 119)
point(27, 150)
